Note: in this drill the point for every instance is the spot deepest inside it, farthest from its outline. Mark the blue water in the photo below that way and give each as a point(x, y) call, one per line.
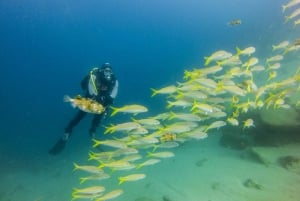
point(47, 47)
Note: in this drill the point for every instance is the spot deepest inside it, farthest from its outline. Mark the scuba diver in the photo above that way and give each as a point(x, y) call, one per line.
point(100, 85)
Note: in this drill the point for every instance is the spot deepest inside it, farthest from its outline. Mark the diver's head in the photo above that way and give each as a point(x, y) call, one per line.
point(107, 71)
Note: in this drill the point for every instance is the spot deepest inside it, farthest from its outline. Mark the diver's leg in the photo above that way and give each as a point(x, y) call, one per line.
point(78, 117)
point(61, 143)
point(95, 123)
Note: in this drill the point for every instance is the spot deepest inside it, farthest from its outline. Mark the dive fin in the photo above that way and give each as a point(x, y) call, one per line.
point(58, 147)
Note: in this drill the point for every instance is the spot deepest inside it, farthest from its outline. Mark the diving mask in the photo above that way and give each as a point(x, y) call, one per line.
point(107, 72)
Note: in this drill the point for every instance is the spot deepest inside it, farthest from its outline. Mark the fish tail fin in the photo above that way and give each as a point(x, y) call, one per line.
point(194, 105)
point(206, 129)
point(238, 51)
point(67, 98)
point(139, 166)
point(154, 148)
point(273, 47)
point(169, 104)
point(179, 95)
point(83, 179)
point(154, 92)
point(284, 8)
point(133, 119)
point(108, 129)
point(295, 24)
point(76, 166)
point(287, 18)
point(172, 115)
point(74, 194)
point(187, 74)
point(101, 164)
point(121, 180)
point(114, 112)
point(149, 154)
point(207, 60)
point(92, 156)
point(96, 143)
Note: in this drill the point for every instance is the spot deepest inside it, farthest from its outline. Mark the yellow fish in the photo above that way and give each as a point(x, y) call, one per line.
point(231, 61)
point(85, 104)
point(293, 15)
point(216, 124)
point(281, 45)
point(88, 168)
point(184, 116)
point(147, 121)
point(251, 62)
point(164, 154)
point(290, 4)
point(127, 126)
point(247, 51)
point(248, 123)
point(110, 195)
point(116, 164)
point(132, 177)
point(206, 108)
point(148, 162)
point(274, 58)
point(89, 190)
point(179, 103)
point(135, 109)
point(274, 66)
point(110, 143)
point(210, 70)
point(296, 22)
point(232, 121)
point(165, 90)
point(86, 196)
point(272, 75)
point(97, 177)
point(219, 55)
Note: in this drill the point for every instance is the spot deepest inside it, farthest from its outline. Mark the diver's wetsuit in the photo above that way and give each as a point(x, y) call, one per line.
point(106, 89)
point(78, 117)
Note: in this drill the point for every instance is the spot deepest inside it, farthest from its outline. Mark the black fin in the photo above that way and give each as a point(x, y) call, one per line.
point(58, 147)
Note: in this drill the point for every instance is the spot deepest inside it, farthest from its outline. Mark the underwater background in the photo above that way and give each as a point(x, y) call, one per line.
point(47, 47)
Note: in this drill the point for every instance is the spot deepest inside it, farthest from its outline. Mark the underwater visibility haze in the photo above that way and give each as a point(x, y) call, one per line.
point(246, 146)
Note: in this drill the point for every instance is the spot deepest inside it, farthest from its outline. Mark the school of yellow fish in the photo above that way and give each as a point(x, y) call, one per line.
point(210, 97)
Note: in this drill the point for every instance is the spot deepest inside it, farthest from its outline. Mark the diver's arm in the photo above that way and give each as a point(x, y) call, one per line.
point(114, 91)
point(84, 82)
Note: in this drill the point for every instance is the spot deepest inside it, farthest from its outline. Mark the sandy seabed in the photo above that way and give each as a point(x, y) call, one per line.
point(200, 171)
